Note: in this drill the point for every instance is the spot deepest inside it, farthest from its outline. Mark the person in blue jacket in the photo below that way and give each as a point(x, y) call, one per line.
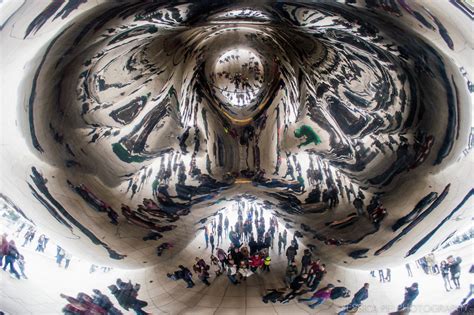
point(356, 302)
point(410, 295)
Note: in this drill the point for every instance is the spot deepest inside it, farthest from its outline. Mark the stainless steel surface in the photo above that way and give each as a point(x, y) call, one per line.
point(157, 115)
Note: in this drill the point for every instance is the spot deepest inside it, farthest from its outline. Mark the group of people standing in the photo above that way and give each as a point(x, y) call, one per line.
point(307, 278)
point(9, 255)
point(450, 269)
point(248, 251)
point(248, 254)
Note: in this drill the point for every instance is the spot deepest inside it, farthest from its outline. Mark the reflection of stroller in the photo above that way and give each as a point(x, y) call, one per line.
point(126, 294)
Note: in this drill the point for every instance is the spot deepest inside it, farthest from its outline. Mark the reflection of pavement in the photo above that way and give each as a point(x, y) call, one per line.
point(40, 293)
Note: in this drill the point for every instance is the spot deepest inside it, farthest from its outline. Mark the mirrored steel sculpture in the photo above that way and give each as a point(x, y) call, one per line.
point(140, 120)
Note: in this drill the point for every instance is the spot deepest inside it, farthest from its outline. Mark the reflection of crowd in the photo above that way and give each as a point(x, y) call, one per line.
point(84, 304)
point(126, 294)
point(450, 269)
point(11, 254)
point(61, 255)
point(246, 254)
point(249, 253)
point(95, 202)
point(243, 88)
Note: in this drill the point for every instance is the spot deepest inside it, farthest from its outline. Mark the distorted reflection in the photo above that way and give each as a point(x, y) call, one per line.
point(220, 156)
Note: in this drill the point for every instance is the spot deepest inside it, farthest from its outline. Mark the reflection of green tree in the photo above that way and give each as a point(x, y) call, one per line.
point(125, 156)
point(309, 133)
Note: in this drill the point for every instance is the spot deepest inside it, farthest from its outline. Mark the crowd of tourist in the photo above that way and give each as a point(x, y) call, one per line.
point(247, 253)
point(250, 240)
point(126, 294)
point(449, 269)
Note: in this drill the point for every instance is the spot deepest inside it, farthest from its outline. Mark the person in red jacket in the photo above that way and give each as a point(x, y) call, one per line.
point(319, 296)
point(256, 262)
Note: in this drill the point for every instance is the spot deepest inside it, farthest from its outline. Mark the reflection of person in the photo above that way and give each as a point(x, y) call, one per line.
point(4, 248)
point(21, 264)
point(360, 296)
point(306, 261)
point(291, 273)
point(126, 294)
point(467, 304)
point(183, 273)
point(359, 205)
point(211, 241)
point(388, 278)
point(410, 295)
point(320, 296)
point(60, 255)
point(455, 269)
point(295, 287)
point(407, 265)
point(445, 274)
point(291, 254)
point(273, 295)
point(67, 257)
point(40, 247)
point(206, 236)
point(12, 255)
point(381, 276)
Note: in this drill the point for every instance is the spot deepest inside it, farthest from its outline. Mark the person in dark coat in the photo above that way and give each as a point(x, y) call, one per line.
point(11, 257)
point(211, 241)
point(356, 302)
point(359, 205)
point(290, 253)
point(455, 269)
point(445, 274)
point(280, 243)
point(273, 295)
point(184, 274)
point(338, 292)
point(388, 277)
point(410, 295)
point(295, 287)
point(306, 261)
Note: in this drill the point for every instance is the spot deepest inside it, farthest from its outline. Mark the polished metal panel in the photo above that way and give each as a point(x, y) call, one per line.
point(136, 118)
